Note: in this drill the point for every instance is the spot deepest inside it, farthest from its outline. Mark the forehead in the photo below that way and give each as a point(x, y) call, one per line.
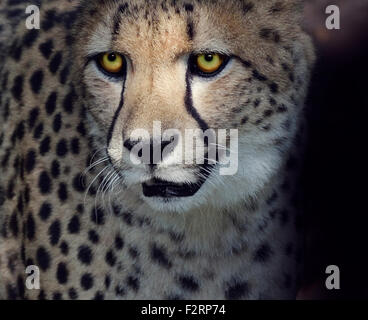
point(168, 28)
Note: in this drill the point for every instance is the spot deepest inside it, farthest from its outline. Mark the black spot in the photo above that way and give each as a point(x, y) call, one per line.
point(17, 89)
point(85, 255)
point(133, 253)
point(13, 13)
point(73, 295)
point(159, 256)
point(43, 258)
point(16, 51)
point(110, 258)
point(64, 74)
point(54, 232)
point(188, 7)
point(30, 162)
point(80, 208)
point(244, 120)
point(20, 130)
point(81, 129)
point(46, 48)
point(119, 291)
point(42, 295)
point(75, 146)
point(45, 145)
point(38, 131)
point(282, 108)
point(128, 218)
point(20, 205)
point(274, 87)
point(48, 21)
point(30, 37)
point(263, 253)
point(133, 282)
point(31, 227)
point(51, 103)
point(44, 183)
point(98, 216)
point(64, 248)
point(11, 292)
point(62, 148)
point(45, 211)
point(20, 287)
point(55, 62)
point(13, 224)
point(99, 296)
point(268, 113)
point(86, 281)
point(10, 191)
point(55, 169)
point(57, 123)
point(107, 281)
point(119, 243)
point(270, 34)
point(93, 236)
point(69, 101)
point(188, 283)
point(57, 296)
point(247, 6)
point(62, 273)
point(33, 115)
point(74, 225)
point(2, 196)
point(272, 102)
point(78, 184)
point(236, 291)
point(36, 81)
point(63, 192)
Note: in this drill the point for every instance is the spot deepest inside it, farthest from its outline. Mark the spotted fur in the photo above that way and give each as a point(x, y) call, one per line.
point(237, 237)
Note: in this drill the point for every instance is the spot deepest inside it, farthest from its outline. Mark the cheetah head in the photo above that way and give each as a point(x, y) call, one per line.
point(153, 70)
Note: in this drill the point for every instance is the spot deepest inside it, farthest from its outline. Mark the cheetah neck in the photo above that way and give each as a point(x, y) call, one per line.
point(214, 231)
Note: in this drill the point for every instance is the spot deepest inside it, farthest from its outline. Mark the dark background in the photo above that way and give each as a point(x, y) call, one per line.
point(334, 178)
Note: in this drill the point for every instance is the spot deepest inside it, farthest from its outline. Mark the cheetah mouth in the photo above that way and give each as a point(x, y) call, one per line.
point(164, 189)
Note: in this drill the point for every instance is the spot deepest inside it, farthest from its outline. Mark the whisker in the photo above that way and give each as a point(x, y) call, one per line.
point(93, 181)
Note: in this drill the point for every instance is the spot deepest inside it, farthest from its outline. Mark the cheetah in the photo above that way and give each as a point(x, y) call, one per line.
point(99, 226)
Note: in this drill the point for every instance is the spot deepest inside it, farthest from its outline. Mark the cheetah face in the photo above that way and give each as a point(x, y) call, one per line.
point(183, 66)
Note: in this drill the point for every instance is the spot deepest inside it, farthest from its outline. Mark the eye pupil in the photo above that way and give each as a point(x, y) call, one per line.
point(208, 57)
point(111, 57)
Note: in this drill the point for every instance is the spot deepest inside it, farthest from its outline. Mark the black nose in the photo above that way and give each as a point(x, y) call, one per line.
point(157, 153)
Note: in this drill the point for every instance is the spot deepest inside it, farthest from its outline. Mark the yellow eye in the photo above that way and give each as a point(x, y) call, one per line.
point(112, 62)
point(209, 63)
